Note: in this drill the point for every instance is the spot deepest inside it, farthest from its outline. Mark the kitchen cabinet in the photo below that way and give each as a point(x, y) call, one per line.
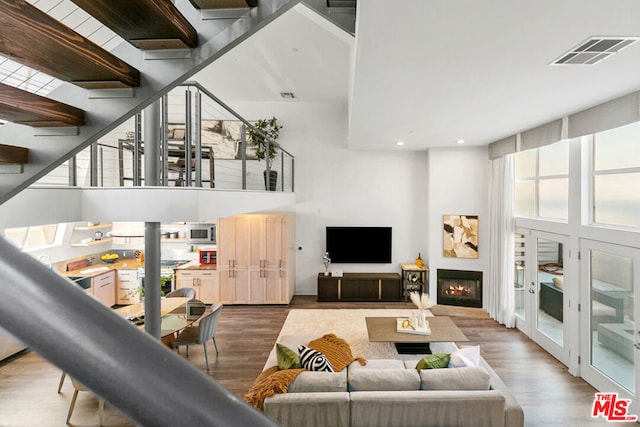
point(205, 283)
point(128, 287)
point(256, 258)
point(104, 288)
point(233, 236)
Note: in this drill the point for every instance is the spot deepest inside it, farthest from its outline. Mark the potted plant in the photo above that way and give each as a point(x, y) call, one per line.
point(266, 149)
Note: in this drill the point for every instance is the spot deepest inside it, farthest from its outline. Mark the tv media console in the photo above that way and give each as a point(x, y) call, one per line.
point(360, 287)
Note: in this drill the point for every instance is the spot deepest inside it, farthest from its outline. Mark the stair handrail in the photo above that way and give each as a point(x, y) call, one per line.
point(207, 92)
point(134, 372)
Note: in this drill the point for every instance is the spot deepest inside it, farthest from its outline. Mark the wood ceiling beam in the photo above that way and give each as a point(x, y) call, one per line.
point(20, 106)
point(12, 155)
point(33, 38)
point(223, 4)
point(146, 24)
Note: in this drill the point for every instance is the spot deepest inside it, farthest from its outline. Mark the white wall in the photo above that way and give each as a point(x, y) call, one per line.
point(338, 186)
point(458, 184)
point(409, 191)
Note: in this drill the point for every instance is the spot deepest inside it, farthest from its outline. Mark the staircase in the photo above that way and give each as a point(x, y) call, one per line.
point(167, 43)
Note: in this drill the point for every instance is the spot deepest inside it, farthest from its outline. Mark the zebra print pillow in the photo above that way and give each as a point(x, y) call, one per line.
point(313, 360)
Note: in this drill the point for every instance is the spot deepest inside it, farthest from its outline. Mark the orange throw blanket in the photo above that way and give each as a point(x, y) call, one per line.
point(270, 382)
point(337, 351)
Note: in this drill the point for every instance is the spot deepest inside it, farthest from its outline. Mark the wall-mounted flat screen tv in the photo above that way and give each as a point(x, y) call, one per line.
point(362, 245)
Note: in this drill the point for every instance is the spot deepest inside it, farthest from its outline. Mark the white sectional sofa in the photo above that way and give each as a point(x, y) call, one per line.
point(392, 393)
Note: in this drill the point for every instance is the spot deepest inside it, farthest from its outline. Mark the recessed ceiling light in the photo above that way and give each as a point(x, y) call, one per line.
point(399, 143)
point(594, 50)
point(460, 141)
point(288, 95)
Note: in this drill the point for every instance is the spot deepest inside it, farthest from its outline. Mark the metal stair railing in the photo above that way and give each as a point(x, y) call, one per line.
point(217, 135)
point(52, 147)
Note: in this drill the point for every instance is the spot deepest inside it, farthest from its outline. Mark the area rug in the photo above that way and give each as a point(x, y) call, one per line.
point(350, 325)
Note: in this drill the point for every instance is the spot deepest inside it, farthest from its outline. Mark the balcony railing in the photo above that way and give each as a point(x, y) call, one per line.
point(195, 125)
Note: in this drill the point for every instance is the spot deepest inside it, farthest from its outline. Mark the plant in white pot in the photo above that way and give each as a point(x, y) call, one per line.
point(266, 149)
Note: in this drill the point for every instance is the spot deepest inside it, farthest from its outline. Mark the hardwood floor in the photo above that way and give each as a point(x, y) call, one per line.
point(245, 336)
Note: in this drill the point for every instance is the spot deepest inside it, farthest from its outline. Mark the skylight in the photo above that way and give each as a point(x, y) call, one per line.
point(17, 75)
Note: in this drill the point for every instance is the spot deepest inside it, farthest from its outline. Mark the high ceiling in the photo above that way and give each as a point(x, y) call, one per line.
point(430, 73)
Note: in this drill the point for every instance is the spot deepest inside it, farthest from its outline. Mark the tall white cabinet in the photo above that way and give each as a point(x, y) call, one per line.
point(256, 259)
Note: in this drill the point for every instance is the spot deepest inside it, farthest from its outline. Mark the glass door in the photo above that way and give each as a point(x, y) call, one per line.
point(610, 277)
point(522, 292)
point(541, 297)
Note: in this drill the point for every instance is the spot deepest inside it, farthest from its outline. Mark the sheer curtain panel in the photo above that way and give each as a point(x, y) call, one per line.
point(500, 291)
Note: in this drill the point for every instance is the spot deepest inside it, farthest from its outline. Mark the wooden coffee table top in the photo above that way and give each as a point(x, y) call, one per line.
point(383, 329)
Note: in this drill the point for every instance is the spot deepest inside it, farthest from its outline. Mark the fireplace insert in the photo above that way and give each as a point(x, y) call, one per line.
point(460, 287)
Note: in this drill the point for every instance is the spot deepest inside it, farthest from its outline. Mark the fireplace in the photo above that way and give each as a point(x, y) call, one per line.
point(459, 287)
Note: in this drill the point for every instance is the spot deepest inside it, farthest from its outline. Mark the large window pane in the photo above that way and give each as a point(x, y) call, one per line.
point(32, 237)
point(616, 200)
point(525, 164)
point(617, 148)
point(554, 159)
point(553, 195)
point(524, 198)
point(16, 235)
point(612, 321)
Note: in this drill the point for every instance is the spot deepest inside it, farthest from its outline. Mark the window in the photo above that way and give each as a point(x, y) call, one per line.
point(542, 182)
point(35, 237)
point(616, 176)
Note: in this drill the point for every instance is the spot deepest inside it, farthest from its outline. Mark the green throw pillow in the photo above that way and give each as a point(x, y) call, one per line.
point(287, 358)
point(434, 361)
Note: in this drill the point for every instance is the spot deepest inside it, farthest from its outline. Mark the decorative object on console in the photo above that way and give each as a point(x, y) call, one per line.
point(460, 236)
point(327, 262)
point(419, 261)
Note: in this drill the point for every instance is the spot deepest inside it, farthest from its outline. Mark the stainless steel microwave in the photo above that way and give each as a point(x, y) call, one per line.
point(201, 233)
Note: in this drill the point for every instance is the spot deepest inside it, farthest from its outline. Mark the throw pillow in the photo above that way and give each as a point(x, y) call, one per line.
point(466, 356)
point(337, 351)
point(434, 361)
point(287, 358)
point(313, 360)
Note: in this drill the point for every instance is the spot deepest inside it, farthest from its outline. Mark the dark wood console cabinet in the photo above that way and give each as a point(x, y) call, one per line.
point(360, 287)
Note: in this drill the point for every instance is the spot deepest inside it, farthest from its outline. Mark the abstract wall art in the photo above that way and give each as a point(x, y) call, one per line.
point(460, 236)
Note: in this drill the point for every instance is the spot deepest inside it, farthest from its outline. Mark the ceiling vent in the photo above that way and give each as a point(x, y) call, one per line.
point(594, 50)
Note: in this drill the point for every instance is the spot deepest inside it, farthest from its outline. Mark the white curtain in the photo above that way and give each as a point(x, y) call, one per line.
point(500, 289)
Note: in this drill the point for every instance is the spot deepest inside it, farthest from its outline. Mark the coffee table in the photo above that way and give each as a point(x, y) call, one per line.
point(383, 329)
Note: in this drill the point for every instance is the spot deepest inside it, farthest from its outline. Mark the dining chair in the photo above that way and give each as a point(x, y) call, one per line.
point(182, 292)
point(77, 388)
point(62, 377)
point(201, 333)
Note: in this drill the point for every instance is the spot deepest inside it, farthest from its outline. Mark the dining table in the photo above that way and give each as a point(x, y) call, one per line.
point(176, 314)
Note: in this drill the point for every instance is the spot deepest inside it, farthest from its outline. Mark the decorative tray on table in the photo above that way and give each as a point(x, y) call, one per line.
point(404, 325)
